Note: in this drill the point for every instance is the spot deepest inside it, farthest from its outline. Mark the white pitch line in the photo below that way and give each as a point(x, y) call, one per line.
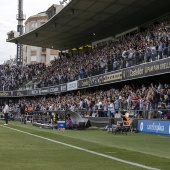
point(86, 150)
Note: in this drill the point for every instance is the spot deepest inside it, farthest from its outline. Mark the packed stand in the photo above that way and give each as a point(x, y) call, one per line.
point(145, 46)
point(13, 77)
point(146, 101)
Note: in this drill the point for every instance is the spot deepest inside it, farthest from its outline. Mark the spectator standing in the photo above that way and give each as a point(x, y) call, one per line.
point(22, 111)
point(105, 108)
point(6, 111)
point(160, 48)
point(147, 55)
point(124, 103)
point(156, 97)
point(116, 104)
point(169, 48)
point(153, 53)
point(100, 109)
point(112, 108)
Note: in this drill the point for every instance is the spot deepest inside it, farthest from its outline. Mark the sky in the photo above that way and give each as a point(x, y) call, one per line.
point(8, 22)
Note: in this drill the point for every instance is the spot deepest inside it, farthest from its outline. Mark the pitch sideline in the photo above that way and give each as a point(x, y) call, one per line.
point(85, 150)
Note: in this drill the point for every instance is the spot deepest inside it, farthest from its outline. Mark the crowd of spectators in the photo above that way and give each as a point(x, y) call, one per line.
point(13, 77)
point(145, 101)
point(144, 46)
point(148, 45)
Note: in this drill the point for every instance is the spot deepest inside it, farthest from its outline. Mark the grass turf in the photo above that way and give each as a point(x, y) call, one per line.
point(21, 151)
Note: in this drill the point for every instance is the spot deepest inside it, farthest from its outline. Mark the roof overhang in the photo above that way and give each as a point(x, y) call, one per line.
point(75, 24)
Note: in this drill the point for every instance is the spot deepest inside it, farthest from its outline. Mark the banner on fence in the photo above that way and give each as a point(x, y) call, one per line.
point(72, 86)
point(154, 126)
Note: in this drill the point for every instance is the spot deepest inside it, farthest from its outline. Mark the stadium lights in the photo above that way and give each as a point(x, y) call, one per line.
point(89, 46)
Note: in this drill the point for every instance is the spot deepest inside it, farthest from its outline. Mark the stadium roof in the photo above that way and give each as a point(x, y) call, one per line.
point(75, 24)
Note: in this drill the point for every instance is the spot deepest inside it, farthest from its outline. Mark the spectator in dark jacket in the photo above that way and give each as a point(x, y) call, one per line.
point(22, 112)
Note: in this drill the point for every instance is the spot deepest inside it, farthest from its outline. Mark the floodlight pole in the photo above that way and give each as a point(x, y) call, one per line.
point(20, 17)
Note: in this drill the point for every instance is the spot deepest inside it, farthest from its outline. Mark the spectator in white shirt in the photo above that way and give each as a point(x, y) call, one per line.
point(6, 111)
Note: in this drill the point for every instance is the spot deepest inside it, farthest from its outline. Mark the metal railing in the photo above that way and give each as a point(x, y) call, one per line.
point(145, 114)
point(50, 118)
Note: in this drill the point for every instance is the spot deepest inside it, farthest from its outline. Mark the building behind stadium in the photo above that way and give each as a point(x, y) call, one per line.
point(33, 54)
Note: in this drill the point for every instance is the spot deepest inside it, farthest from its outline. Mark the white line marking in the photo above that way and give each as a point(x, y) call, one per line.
point(86, 150)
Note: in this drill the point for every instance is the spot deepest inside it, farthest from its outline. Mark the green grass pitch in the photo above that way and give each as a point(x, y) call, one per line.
point(21, 151)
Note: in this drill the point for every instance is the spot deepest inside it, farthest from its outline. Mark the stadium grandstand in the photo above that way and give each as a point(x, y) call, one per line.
point(126, 55)
point(114, 61)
